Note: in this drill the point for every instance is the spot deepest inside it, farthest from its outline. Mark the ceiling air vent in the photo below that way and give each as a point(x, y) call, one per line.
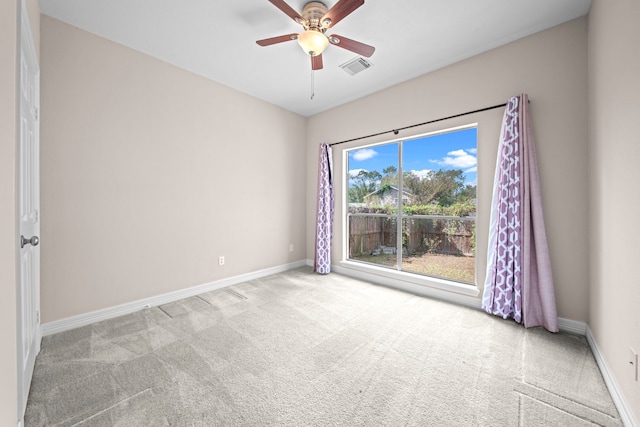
point(356, 65)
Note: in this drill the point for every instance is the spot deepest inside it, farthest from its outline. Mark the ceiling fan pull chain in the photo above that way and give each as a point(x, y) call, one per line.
point(312, 87)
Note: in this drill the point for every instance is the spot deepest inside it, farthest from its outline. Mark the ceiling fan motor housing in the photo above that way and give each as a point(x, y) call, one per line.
point(313, 13)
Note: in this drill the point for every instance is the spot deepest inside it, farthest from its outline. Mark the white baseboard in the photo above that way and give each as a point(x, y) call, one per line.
point(572, 326)
point(628, 419)
point(120, 310)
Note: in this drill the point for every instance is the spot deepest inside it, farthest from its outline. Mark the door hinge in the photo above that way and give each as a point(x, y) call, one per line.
point(38, 316)
point(35, 113)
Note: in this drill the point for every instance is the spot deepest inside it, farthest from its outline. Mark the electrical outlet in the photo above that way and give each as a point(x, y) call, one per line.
point(221, 260)
point(633, 361)
point(290, 247)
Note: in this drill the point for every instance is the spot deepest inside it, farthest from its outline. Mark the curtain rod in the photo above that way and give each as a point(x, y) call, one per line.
point(395, 131)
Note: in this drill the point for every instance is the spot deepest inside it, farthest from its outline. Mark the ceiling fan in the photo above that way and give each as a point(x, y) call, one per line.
point(316, 19)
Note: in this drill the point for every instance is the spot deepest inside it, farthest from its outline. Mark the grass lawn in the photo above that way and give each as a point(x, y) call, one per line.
point(452, 267)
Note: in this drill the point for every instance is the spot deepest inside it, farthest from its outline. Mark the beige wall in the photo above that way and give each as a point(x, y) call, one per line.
point(551, 67)
point(150, 173)
point(9, 30)
point(614, 147)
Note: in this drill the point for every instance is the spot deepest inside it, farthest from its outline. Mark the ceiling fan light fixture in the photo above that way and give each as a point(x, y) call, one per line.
point(313, 42)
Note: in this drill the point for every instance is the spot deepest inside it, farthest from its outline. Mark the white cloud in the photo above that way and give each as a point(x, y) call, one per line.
point(457, 153)
point(364, 154)
point(422, 174)
point(459, 159)
point(354, 172)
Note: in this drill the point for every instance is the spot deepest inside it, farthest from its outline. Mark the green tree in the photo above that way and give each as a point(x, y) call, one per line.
point(441, 187)
point(363, 183)
point(467, 194)
point(390, 176)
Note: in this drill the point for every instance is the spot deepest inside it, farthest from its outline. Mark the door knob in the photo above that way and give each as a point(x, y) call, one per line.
point(32, 241)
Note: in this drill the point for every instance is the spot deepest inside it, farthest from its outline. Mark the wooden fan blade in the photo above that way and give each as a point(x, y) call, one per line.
point(279, 39)
point(288, 10)
point(341, 10)
point(316, 62)
point(352, 45)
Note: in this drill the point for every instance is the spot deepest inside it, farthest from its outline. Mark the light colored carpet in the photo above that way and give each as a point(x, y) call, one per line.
point(299, 349)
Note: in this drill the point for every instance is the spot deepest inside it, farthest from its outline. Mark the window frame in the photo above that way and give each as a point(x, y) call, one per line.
point(384, 274)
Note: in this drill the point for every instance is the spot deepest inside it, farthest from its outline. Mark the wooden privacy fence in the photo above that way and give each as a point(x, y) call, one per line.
point(420, 234)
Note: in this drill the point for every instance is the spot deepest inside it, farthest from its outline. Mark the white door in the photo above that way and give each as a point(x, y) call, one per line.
point(29, 211)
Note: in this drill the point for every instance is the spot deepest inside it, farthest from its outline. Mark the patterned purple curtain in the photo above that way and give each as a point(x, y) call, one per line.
point(519, 283)
point(324, 217)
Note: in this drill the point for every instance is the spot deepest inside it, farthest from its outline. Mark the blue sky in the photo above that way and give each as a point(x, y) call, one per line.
point(452, 150)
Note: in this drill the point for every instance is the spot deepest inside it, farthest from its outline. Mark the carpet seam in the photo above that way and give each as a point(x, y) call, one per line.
point(236, 294)
point(559, 409)
point(111, 407)
point(566, 399)
point(203, 300)
point(167, 314)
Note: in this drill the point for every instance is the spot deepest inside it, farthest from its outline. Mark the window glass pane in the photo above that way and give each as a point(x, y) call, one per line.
point(373, 204)
point(438, 222)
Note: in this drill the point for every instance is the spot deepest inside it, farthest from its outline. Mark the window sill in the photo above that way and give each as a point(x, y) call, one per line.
point(422, 285)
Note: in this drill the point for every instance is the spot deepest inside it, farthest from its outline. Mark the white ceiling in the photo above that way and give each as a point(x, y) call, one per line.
point(216, 39)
